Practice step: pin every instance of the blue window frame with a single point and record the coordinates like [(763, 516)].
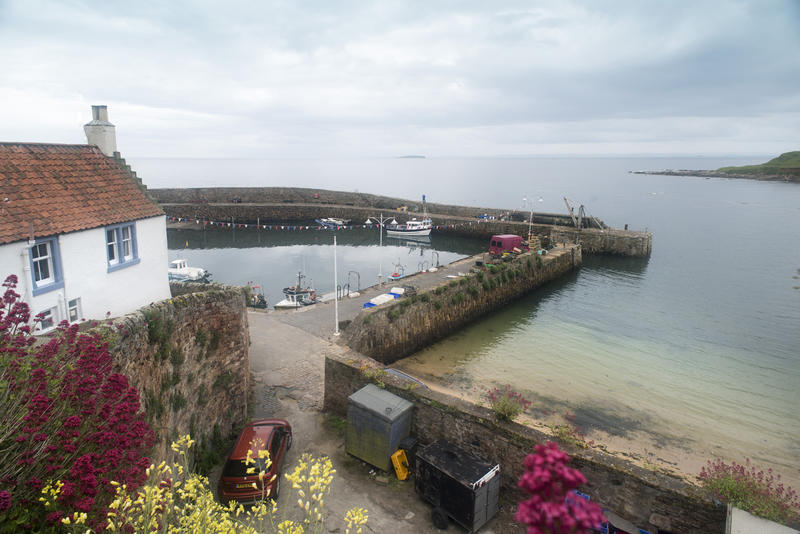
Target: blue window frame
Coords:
[(45, 262), (121, 248)]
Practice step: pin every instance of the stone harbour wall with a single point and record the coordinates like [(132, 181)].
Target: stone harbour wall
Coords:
[(651, 500), (325, 204), (400, 328), (608, 241), (287, 205), (189, 358)]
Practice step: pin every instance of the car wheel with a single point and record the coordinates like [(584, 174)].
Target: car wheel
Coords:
[(439, 518)]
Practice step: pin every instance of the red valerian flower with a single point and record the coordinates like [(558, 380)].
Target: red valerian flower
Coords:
[(549, 510), (79, 422)]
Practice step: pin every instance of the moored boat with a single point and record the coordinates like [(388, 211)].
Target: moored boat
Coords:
[(332, 222), (179, 271), (412, 227), (297, 296), (257, 298)]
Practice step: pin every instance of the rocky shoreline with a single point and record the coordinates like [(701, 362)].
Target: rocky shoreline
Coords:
[(719, 174)]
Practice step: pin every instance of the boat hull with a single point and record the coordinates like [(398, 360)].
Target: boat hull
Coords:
[(421, 232)]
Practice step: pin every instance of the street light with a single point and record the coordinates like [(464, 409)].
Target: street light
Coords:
[(530, 220), (381, 220)]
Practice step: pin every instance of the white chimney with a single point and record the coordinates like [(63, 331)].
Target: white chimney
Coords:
[(100, 132)]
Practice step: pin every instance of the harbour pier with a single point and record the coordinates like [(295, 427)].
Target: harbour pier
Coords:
[(283, 205)]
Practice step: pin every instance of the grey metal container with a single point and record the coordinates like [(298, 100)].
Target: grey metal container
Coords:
[(376, 423)]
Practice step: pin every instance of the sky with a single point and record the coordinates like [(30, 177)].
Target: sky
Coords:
[(321, 79)]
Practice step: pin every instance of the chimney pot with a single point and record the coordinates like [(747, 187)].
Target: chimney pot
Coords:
[(100, 132), (100, 113)]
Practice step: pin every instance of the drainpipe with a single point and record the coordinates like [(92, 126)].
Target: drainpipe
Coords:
[(62, 302), (26, 274)]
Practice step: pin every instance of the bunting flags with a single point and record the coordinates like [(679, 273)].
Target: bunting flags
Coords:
[(292, 228)]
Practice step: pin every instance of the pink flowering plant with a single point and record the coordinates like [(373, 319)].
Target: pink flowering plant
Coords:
[(751, 489), (67, 418), (507, 403), (548, 479)]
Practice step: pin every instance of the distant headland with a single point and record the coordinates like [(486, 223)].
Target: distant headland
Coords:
[(411, 156), (785, 168)]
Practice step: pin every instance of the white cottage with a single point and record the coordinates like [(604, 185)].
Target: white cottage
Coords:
[(79, 230)]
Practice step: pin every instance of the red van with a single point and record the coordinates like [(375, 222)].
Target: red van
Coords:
[(506, 243)]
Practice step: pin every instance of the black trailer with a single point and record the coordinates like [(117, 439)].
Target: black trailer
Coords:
[(457, 484)]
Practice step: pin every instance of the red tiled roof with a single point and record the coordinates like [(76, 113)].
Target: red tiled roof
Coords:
[(64, 188)]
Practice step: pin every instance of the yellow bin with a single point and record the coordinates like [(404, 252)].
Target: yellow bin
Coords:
[(400, 463)]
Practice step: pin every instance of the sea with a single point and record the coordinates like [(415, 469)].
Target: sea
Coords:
[(688, 355)]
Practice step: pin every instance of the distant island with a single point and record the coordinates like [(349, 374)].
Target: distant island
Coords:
[(785, 167), (411, 156)]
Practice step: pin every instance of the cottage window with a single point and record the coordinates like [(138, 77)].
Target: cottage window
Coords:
[(111, 244), (42, 263), (74, 309), (45, 266), (121, 249), (48, 319)]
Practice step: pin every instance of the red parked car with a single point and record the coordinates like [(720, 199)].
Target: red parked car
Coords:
[(274, 435)]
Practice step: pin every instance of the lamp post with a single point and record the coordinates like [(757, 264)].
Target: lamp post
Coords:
[(530, 220), (335, 292), (381, 220)]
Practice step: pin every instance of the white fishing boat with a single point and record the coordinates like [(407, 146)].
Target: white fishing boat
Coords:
[(179, 271), (332, 222), (297, 296), (412, 227)]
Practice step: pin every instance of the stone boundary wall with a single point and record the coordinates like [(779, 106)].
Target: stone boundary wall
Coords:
[(189, 358), (649, 499), (400, 328)]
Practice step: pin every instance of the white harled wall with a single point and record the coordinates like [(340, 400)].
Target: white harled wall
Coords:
[(85, 272)]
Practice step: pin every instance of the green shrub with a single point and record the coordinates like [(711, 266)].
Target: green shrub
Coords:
[(224, 380), (479, 276), (457, 299), (176, 357), (177, 401), (200, 337), (538, 262), (528, 264), (452, 283), (473, 291), (210, 450), (493, 269), (393, 314), (437, 305), (367, 319), (507, 403), (213, 341), (486, 285), (425, 297), (154, 408), (462, 281), (162, 354)]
